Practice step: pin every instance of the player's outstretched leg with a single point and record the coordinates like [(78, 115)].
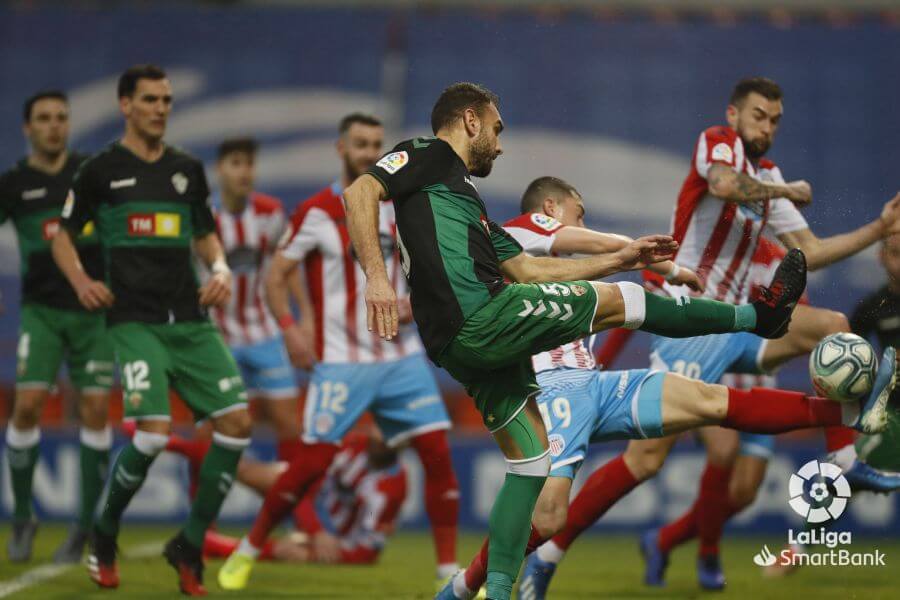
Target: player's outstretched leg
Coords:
[(629, 305)]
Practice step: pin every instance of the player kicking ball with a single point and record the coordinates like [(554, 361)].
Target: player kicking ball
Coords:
[(582, 405), (484, 331)]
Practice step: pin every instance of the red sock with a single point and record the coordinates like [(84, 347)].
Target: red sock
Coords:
[(216, 545), (286, 450), (712, 507), (476, 573), (441, 492), (195, 451), (606, 486), (838, 437), (680, 530), (289, 488), (765, 410)]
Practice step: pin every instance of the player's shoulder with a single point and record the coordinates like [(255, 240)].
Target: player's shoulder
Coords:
[(415, 149), (12, 173), (722, 133), (324, 200), (535, 222), (265, 204), (180, 155), (766, 164), (101, 159)]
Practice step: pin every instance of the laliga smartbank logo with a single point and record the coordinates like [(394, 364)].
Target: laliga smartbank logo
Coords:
[(819, 493)]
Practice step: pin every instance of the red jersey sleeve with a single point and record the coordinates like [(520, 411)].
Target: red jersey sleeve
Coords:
[(718, 145), (535, 232)]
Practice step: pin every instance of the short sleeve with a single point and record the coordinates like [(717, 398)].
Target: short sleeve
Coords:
[(784, 216), (718, 145), (504, 244), (201, 212), (410, 166), (300, 238), (535, 232), (81, 203)]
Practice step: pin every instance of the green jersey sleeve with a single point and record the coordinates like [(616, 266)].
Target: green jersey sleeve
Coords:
[(81, 203), (201, 214), (504, 244), (411, 166)]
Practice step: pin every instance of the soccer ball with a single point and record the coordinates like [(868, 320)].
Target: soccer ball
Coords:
[(842, 367)]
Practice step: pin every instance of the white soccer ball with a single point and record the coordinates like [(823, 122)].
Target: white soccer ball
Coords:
[(842, 367)]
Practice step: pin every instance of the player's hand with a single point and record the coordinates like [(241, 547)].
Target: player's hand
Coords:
[(93, 294), (799, 192), (217, 290), (299, 341), (381, 307), (404, 310), (288, 550), (647, 250), (890, 216), (689, 278), (326, 547)]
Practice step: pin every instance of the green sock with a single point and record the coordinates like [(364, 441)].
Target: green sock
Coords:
[(94, 468), (128, 475), (687, 317), (21, 470), (216, 477), (509, 529)]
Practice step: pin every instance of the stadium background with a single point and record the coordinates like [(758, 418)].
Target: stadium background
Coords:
[(609, 100)]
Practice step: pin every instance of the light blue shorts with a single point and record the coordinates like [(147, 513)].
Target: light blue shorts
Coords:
[(582, 406), (266, 369), (401, 394)]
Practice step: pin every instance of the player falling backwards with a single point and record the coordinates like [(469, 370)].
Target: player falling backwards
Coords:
[(249, 225), (484, 331), (150, 205), (582, 405), (54, 326), (731, 194), (356, 371)]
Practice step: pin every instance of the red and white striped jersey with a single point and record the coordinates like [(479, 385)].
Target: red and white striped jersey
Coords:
[(361, 504), (536, 232), (318, 236), (248, 238), (717, 239)]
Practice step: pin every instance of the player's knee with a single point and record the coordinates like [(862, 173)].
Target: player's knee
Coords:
[(27, 408), (835, 322), (645, 463), (94, 411), (610, 306), (235, 424), (712, 400), (550, 517), (150, 443), (742, 494)]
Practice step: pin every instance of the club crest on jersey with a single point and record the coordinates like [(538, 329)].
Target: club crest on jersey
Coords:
[(393, 162), (180, 182), (578, 290), (545, 222), (722, 152), (557, 444)]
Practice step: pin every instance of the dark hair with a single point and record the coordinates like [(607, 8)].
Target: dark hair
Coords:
[(541, 188), (41, 95), (763, 86), (457, 98), (361, 118), (129, 79), (247, 145)]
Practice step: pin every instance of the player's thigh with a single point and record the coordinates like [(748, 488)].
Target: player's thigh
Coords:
[(552, 505), (644, 458), (270, 370), (337, 396), (408, 402), (205, 373), (524, 436), (144, 362), (808, 326), (722, 444), (91, 359), (40, 348), (523, 320), (610, 311), (690, 403)]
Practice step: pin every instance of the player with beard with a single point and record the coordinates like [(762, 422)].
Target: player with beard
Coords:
[(484, 330), (731, 194), (353, 370), (53, 326)]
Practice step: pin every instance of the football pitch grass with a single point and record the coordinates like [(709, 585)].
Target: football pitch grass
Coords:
[(599, 566)]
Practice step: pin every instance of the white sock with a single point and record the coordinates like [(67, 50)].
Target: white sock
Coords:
[(459, 587), (550, 552), (445, 570), (247, 549), (635, 301), (22, 439), (97, 439), (844, 457)]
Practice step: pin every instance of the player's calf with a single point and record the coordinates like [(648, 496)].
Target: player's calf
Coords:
[(552, 507)]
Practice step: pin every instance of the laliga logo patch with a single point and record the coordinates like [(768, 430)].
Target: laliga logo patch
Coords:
[(545, 222), (557, 444), (819, 492), (393, 162), (723, 152), (180, 182)]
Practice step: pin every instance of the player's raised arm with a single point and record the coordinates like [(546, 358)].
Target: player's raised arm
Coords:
[(217, 289), (635, 255), (361, 200), (821, 252), (726, 184)]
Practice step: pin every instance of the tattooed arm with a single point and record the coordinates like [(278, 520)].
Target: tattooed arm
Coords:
[(727, 185)]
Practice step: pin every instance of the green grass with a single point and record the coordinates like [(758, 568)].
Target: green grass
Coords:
[(597, 567)]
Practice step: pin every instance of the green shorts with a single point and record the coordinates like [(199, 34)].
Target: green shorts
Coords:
[(48, 335), (189, 356), (881, 450), (491, 353)]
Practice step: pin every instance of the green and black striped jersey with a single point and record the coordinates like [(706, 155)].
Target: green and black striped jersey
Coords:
[(33, 199), (146, 215), (450, 251)]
